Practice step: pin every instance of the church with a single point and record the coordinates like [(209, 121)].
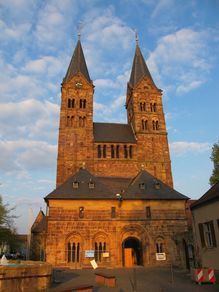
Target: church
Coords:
[(114, 200)]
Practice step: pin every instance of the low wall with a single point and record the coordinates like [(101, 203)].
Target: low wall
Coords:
[(25, 276)]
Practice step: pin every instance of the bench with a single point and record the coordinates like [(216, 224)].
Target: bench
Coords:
[(106, 278), (79, 288)]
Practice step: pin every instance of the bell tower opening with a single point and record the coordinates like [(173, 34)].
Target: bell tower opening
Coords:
[(132, 252)]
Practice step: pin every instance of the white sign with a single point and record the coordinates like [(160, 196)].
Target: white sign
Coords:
[(94, 264), (89, 253), (160, 256)]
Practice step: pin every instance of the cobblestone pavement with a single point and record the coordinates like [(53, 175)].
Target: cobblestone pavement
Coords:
[(139, 279)]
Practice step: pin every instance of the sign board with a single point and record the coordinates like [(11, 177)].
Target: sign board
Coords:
[(89, 253), (161, 256), (94, 264), (105, 254)]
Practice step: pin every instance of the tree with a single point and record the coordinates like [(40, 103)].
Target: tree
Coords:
[(215, 159), (7, 230)]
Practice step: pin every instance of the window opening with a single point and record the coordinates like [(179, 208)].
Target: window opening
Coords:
[(130, 151), (99, 151), (112, 151), (81, 212), (117, 151), (125, 151), (148, 212), (104, 151)]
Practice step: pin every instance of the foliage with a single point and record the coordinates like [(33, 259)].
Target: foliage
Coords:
[(215, 159), (7, 231)]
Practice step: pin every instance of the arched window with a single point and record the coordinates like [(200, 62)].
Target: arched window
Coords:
[(160, 245), (142, 124), (117, 151), (141, 108), (104, 151), (151, 106), (73, 251), (72, 121), (154, 125), (100, 246), (157, 125), (130, 151), (80, 103), (144, 106), (69, 103), (146, 125), (99, 151), (84, 104), (155, 107), (73, 103), (112, 151), (125, 151)]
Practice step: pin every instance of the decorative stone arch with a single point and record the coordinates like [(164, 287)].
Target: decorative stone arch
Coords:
[(100, 244), (135, 237), (73, 248)]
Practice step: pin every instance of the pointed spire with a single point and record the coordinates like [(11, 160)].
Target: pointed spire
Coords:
[(139, 67), (78, 63)]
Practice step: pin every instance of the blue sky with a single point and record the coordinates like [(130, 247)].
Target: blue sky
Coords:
[(180, 43)]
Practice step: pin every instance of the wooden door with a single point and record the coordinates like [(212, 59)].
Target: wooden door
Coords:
[(128, 256)]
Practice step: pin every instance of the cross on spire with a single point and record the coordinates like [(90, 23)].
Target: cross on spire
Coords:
[(136, 37)]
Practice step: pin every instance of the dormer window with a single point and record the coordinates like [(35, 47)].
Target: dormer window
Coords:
[(157, 185), (91, 184), (75, 184), (142, 186)]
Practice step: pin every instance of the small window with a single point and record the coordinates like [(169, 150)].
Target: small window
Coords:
[(104, 151), (75, 184), (69, 103), (154, 107), (209, 234), (113, 212), (130, 151), (125, 151), (157, 185), (148, 212), (159, 247), (99, 151), (142, 186), (73, 103), (81, 212), (91, 184), (117, 151), (112, 151)]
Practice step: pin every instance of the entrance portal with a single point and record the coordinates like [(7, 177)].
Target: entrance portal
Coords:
[(132, 252)]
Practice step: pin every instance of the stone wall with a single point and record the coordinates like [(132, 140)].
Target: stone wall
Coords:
[(167, 219)]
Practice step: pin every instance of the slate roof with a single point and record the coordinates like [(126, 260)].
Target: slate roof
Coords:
[(210, 196), (139, 68), (77, 64), (40, 226), (117, 133), (106, 188)]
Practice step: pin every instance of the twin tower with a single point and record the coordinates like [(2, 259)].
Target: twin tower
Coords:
[(110, 149)]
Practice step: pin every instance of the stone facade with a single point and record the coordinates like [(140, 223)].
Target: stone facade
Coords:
[(114, 200), (131, 223)]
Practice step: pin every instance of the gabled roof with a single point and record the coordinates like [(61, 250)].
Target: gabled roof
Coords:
[(139, 68), (106, 188), (83, 177), (146, 186), (40, 223), (117, 133), (210, 196), (77, 64)]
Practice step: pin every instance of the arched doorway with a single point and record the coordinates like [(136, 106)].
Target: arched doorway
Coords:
[(132, 252)]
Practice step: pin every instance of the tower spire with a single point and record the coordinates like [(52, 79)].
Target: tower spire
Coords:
[(139, 66), (78, 63)]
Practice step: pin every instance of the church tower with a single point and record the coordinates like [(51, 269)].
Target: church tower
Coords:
[(75, 144), (146, 117)]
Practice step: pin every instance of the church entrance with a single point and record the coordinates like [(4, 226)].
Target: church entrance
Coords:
[(132, 252)]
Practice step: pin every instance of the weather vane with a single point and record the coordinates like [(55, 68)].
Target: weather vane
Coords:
[(79, 29)]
